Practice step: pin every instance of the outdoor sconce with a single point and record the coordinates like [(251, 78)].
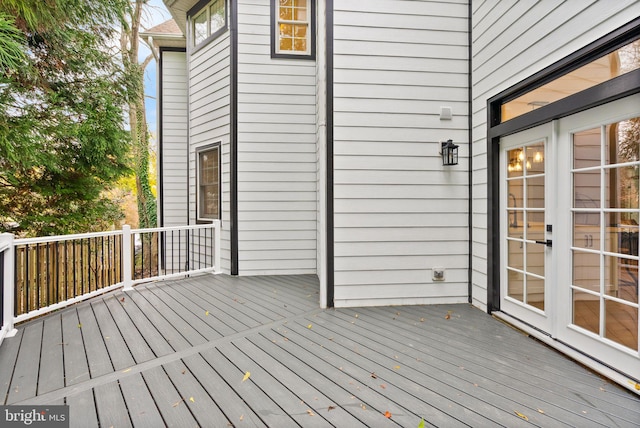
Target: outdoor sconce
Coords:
[(449, 152)]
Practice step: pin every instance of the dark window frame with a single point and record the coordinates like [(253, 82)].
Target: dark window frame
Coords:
[(312, 39), (195, 10), (198, 152), (611, 90)]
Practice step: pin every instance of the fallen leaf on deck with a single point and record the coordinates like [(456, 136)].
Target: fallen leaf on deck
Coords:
[(383, 386), (184, 371), (635, 385), (310, 412), (387, 414), (122, 300), (397, 367), (356, 315), (177, 403), (363, 407), (520, 415), (309, 326), (79, 325), (421, 424), (421, 319), (541, 411), (126, 370), (192, 400), (448, 316), (206, 313), (246, 376), (241, 417), (330, 408), (373, 375)]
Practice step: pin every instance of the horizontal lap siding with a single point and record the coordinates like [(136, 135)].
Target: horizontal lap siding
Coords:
[(174, 139), (277, 198), (398, 211), (209, 122), (512, 41)]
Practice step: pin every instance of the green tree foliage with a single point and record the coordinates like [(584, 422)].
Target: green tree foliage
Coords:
[(62, 97), (130, 49)]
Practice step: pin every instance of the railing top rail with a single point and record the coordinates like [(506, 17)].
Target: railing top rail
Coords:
[(4, 246), (169, 228), (57, 238)]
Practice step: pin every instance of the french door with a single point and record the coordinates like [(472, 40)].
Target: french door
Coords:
[(570, 213)]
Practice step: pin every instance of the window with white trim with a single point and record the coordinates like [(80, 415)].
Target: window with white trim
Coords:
[(293, 28), (208, 182), (208, 21)]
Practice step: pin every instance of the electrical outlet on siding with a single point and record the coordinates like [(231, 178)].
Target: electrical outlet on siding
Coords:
[(437, 274)]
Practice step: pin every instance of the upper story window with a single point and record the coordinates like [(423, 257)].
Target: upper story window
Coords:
[(293, 29), (208, 21)]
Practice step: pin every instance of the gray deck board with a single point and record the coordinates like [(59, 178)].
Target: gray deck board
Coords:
[(556, 397), (295, 381), (174, 411), (76, 369), (157, 359), (8, 357), (295, 406), (51, 375), (97, 354), (140, 405), (82, 410), (194, 396), (137, 345), (196, 304), (110, 406), (332, 380), (196, 316), (182, 326), (225, 397), (119, 353), (543, 367), (25, 376), (147, 329), (346, 354), (258, 400)]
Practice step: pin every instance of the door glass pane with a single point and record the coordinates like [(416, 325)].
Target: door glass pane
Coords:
[(515, 256), (535, 258), (586, 270), (586, 230), (621, 278), (586, 311), (535, 292), (515, 158), (516, 222), (516, 193), (535, 159), (535, 192), (586, 189), (586, 148), (622, 187), (515, 288), (621, 324), (535, 226)]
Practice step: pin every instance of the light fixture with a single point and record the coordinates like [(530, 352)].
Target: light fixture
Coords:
[(449, 152)]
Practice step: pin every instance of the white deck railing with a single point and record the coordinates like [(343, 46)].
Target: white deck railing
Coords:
[(40, 275)]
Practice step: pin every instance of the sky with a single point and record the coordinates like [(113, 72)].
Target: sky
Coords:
[(156, 13)]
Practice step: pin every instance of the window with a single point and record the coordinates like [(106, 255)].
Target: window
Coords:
[(208, 20), (293, 29), (208, 182)]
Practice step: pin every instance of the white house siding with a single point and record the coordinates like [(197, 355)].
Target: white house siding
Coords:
[(511, 41), (276, 152), (209, 121), (398, 211), (174, 139)]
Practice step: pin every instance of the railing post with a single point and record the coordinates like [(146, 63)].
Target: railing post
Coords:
[(127, 280), (216, 246), (6, 239)]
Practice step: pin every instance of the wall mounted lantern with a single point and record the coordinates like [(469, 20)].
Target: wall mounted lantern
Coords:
[(449, 152)]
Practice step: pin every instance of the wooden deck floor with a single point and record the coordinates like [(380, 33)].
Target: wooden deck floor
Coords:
[(176, 354)]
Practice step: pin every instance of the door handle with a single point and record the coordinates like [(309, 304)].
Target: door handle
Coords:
[(548, 242)]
